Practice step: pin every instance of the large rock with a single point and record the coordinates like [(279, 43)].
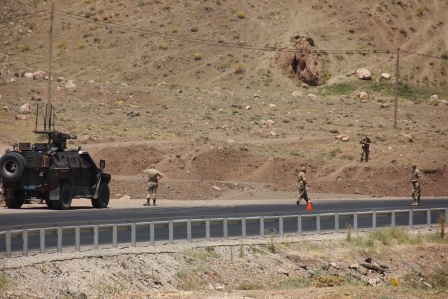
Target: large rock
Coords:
[(25, 109), (301, 61), (363, 74)]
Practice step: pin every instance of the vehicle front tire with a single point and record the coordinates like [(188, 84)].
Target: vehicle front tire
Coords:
[(103, 197), (65, 198), (16, 201)]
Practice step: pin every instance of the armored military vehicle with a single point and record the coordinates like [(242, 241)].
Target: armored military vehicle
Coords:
[(50, 172)]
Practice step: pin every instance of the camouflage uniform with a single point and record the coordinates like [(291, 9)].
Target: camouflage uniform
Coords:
[(153, 178), (365, 144), (415, 185), (302, 183)]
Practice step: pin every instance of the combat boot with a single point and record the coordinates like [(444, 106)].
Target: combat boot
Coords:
[(154, 202), (414, 203), (147, 202)]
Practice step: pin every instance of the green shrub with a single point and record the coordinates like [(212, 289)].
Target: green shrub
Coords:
[(241, 14), (197, 56), (163, 46), (239, 68)]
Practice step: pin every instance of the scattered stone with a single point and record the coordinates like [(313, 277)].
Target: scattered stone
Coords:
[(270, 122), (133, 113), (230, 141), (70, 84), (408, 138), (297, 94), (126, 197), (237, 106), (342, 137), (384, 106), (272, 106), (36, 99), (247, 107), (434, 98), (21, 117), (363, 95), (39, 75), (216, 188), (386, 76)]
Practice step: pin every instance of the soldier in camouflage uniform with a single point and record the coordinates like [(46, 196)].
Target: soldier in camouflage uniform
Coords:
[(415, 185), (153, 183), (302, 182), (365, 144)]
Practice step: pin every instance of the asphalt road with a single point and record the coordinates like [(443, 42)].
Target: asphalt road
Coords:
[(28, 218), (38, 216)]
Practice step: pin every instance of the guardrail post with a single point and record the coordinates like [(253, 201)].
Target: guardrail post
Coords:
[(299, 225), (152, 237), (189, 235), (171, 231), (59, 233), (262, 226), (8, 243), (392, 217), (77, 238), (318, 224), (114, 235), (374, 220), (355, 221), (428, 217), (25, 242), (95, 236), (133, 235), (42, 240), (411, 219), (336, 222), (225, 229), (207, 229), (243, 227), (280, 226)]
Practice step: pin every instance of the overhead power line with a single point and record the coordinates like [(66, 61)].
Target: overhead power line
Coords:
[(216, 43)]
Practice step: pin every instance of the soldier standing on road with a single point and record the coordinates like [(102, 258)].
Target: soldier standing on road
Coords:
[(415, 185), (365, 144), (302, 182), (153, 183)]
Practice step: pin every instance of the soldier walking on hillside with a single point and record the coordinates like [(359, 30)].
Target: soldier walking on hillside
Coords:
[(415, 185), (153, 183), (365, 144), (302, 183)]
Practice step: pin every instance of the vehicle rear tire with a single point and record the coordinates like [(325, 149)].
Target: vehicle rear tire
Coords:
[(49, 203), (65, 198), (12, 166), (103, 197), (16, 201)]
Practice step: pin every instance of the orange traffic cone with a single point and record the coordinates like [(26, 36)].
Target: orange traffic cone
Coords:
[(309, 206)]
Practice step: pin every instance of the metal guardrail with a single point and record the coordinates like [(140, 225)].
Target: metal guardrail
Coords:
[(7, 236)]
